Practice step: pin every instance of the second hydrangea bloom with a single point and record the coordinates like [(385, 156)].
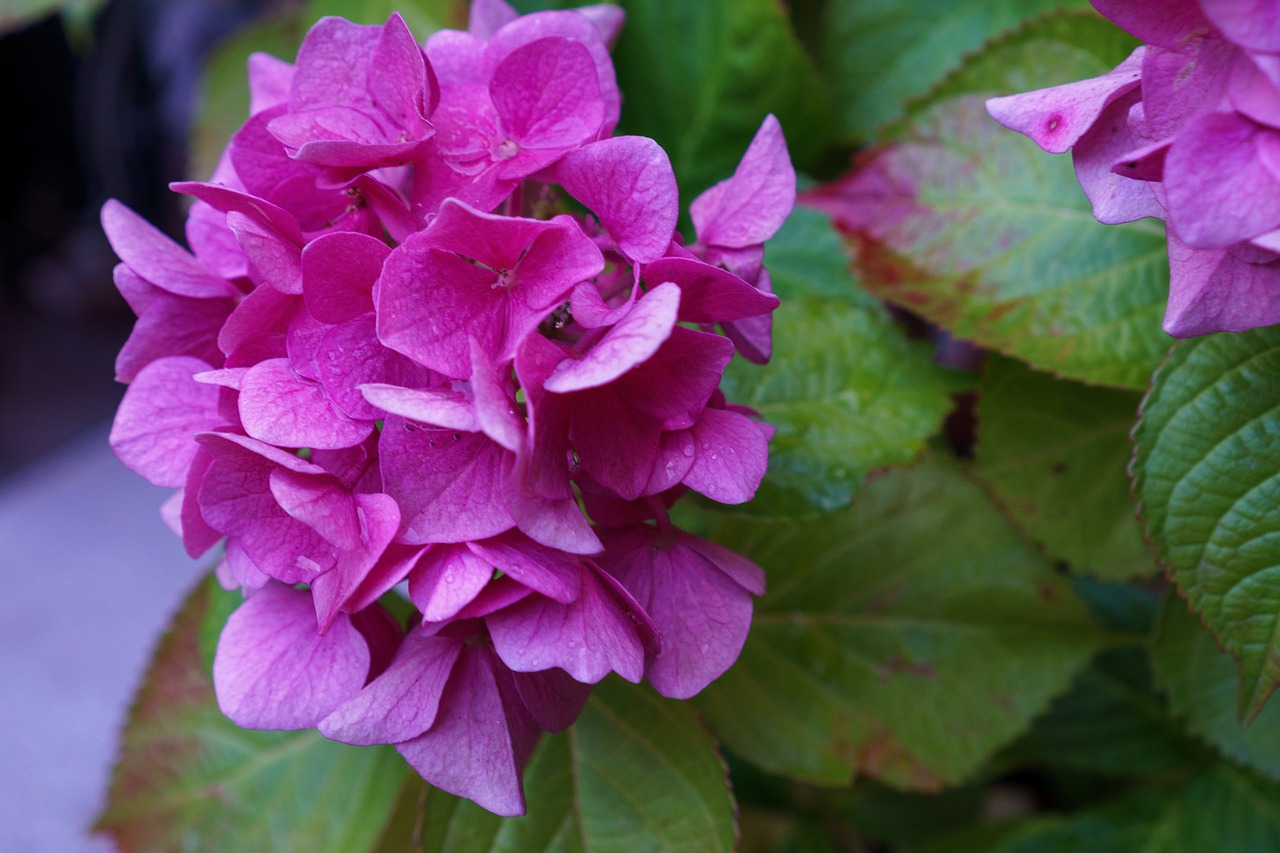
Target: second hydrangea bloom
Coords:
[(397, 356), (1187, 129)]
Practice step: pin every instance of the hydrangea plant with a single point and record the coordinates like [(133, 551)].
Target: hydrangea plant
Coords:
[(493, 441)]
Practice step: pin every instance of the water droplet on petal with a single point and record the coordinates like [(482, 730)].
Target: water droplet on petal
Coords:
[(449, 578), (688, 450)]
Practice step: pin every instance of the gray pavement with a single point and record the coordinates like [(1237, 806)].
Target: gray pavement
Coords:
[(90, 575)]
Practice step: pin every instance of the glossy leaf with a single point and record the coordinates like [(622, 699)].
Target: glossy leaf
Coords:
[(979, 231), (700, 77), (635, 772), (1207, 472), (848, 394), (807, 258), (1053, 454), (1204, 689), (190, 779), (892, 626)]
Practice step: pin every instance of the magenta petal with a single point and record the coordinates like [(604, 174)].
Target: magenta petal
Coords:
[(448, 484), (481, 739), (1168, 23), (627, 182), (709, 294), (1252, 24), (1218, 186), (156, 258), (488, 16), (547, 94), (269, 81), (172, 325), (1178, 85), (338, 274), (446, 579), (346, 586), (154, 430), (197, 536), (272, 670), (441, 407), (401, 86), (553, 697), (263, 214), (554, 522), (544, 570), (589, 638), (748, 208), (1211, 290), (1253, 93), (279, 407), (272, 260), (1057, 117), (744, 573), (495, 404), (635, 339), (402, 702), (732, 452), (320, 503)]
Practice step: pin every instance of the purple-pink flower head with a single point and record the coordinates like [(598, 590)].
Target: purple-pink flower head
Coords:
[(1187, 130), (398, 361)]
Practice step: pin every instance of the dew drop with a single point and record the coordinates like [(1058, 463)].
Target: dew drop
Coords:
[(449, 578), (688, 450)]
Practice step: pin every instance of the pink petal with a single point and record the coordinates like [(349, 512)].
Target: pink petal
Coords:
[(1252, 24), (272, 670), (1218, 186), (544, 570), (481, 739), (319, 503), (272, 260), (269, 81), (731, 456), (338, 273), (1178, 86), (1057, 117), (441, 407), (589, 638), (156, 258), (553, 697), (448, 484), (1169, 23), (1253, 92), (154, 430), (446, 579), (547, 94), (627, 182), (279, 407), (402, 702), (173, 326), (1118, 194), (709, 294), (1211, 290), (751, 206), (488, 16), (345, 587), (632, 341)]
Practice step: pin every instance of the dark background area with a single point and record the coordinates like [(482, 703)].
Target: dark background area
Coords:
[(92, 112)]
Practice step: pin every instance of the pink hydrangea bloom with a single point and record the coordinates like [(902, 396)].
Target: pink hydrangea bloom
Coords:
[(1187, 130), (397, 362)]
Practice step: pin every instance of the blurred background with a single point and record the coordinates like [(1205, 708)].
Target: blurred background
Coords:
[(98, 99)]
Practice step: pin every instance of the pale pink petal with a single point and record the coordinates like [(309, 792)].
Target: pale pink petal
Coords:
[(1057, 117), (441, 407), (1117, 191), (320, 503), (158, 259), (269, 81), (488, 16), (272, 670), (279, 407), (632, 341), (172, 325), (272, 260), (1211, 290)]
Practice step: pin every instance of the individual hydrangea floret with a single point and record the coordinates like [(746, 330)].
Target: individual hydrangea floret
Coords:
[(1187, 130), (437, 338)]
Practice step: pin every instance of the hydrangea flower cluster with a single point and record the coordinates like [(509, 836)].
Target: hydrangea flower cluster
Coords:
[(398, 356), (1187, 129)]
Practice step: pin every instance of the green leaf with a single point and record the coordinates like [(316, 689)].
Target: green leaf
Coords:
[(1053, 453), (807, 258), (700, 77), (1207, 473), (878, 54), (636, 772), (1203, 688), (1224, 808), (975, 228), (1111, 723), (906, 638), (190, 779), (424, 17), (848, 394)]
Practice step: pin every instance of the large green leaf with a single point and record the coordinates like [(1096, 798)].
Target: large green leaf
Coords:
[(807, 258), (1053, 453), (700, 77), (636, 772), (1225, 808), (978, 230), (877, 54), (189, 779), (1111, 723), (1204, 689), (848, 394), (907, 637), (1207, 473)]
